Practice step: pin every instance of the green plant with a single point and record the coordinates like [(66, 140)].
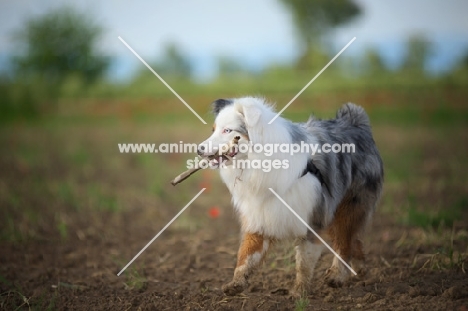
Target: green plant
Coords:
[(102, 200), (134, 280), (302, 304), (59, 43), (62, 229), (431, 219)]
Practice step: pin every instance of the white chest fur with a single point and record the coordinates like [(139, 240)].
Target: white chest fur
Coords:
[(261, 212)]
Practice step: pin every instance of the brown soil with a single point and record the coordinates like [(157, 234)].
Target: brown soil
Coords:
[(64, 239), (184, 271)]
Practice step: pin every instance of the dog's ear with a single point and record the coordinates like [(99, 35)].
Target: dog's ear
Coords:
[(219, 105), (251, 114)]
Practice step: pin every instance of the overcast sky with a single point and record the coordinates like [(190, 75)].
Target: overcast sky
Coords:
[(256, 32)]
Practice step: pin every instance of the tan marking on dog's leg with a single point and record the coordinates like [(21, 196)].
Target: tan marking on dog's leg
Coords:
[(307, 255), (252, 243), (251, 253), (357, 257), (349, 220), (357, 250), (338, 273)]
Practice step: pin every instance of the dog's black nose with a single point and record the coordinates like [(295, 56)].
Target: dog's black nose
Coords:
[(200, 150)]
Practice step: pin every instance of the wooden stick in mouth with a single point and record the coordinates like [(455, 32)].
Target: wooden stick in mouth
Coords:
[(183, 176)]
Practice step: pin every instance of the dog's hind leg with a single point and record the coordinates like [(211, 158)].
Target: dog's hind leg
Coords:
[(308, 251), (349, 220), (357, 257), (252, 251)]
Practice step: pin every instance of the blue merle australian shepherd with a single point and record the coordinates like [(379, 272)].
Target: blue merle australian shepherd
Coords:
[(333, 192)]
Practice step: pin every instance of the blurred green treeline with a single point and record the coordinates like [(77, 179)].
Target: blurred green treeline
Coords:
[(59, 60)]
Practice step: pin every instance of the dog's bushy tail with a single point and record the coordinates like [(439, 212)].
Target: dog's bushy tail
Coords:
[(354, 114)]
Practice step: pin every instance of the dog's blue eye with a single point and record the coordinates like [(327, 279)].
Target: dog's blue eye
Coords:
[(227, 131)]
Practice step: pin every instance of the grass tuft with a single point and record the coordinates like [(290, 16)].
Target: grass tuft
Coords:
[(302, 304)]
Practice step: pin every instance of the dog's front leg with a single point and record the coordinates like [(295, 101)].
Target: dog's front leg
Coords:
[(307, 255), (251, 253)]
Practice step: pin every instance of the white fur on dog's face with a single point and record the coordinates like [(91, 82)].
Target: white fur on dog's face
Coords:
[(229, 123)]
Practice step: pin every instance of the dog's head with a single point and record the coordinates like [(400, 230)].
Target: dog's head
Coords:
[(234, 118)]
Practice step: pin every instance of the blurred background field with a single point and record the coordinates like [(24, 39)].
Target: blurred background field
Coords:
[(63, 182)]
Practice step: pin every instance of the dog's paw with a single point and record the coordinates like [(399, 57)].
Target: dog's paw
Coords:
[(359, 267), (233, 288), (335, 283), (299, 290), (335, 278)]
